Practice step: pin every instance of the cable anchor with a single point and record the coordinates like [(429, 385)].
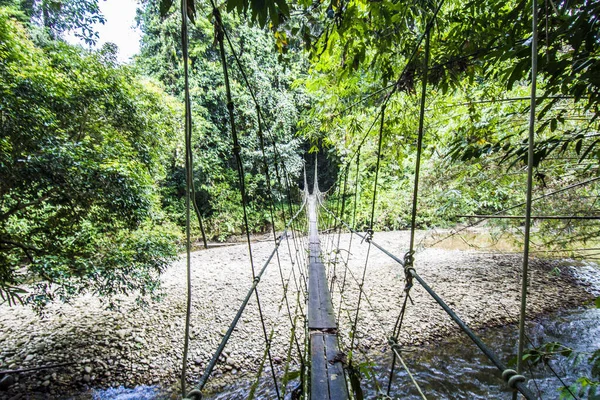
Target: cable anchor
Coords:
[(409, 260), (368, 236), (512, 378), (194, 395)]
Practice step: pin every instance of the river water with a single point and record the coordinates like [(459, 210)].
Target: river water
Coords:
[(456, 368)]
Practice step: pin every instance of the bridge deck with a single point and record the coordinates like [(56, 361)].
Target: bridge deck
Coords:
[(327, 377)]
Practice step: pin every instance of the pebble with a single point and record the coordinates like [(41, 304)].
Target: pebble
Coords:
[(132, 346)]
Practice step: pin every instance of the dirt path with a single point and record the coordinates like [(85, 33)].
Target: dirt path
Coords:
[(135, 346)]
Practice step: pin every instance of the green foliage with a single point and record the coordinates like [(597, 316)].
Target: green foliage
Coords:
[(582, 387), (58, 17), (215, 172), (83, 143)]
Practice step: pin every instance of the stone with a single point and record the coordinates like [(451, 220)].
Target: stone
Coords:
[(88, 370), (6, 382), (46, 384), (87, 378)]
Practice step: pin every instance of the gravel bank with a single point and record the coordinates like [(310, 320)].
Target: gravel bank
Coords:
[(133, 346)]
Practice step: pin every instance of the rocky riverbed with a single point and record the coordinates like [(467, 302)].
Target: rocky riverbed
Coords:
[(133, 346)]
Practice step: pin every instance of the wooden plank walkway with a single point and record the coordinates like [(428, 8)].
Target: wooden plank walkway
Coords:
[(327, 379)]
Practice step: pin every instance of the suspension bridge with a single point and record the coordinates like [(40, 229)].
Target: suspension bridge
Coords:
[(328, 371)]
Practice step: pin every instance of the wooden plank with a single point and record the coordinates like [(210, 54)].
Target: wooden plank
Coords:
[(335, 369), (319, 386), (327, 378), (320, 309)]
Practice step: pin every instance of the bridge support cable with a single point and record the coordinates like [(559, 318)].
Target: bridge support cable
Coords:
[(196, 393), (339, 227), (278, 158), (409, 257), (519, 385), (528, 201), (369, 234)]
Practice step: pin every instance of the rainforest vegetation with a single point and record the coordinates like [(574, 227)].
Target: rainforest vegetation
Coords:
[(92, 160)]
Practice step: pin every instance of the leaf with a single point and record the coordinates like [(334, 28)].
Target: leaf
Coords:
[(578, 146), (165, 7), (291, 375), (597, 302)]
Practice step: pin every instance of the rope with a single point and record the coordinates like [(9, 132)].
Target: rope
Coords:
[(265, 165), (353, 224), (524, 282), (283, 301), (340, 228), (353, 331), (394, 86), (383, 330), (236, 150), (188, 184), (483, 218), (234, 322), (408, 258), (410, 375)]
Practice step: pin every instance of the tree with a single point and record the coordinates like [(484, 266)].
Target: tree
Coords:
[(81, 148), (271, 78)]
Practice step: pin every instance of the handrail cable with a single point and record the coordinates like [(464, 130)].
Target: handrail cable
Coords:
[(520, 386), (196, 393)]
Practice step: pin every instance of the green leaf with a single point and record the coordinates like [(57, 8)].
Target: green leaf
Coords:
[(291, 375), (597, 302)]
